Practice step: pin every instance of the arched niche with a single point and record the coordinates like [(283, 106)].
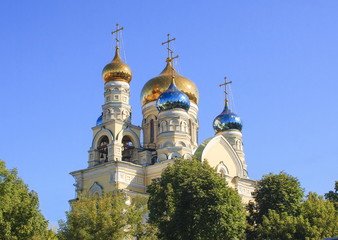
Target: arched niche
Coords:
[(218, 150), (174, 155), (162, 157), (163, 126), (96, 189), (174, 125), (222, 170), (152, 130), (181, 144)]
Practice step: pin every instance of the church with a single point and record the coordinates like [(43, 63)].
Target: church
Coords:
[(119, 158)]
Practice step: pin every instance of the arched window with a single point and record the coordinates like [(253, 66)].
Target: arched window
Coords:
[(184, 126), (163, 127), (174, 125), (128, 148), (222, 173), (190, 127), (103, 148), (152, 131), (125, 114)]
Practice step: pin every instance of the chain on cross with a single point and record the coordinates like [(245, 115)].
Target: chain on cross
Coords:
[(170, 52), (225, 89), (117, 34)]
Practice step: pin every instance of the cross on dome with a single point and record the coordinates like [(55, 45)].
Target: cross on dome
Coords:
[(225, 90), (170, 52), (117, 34)]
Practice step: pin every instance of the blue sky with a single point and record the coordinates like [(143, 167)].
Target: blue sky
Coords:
[(282, 57)]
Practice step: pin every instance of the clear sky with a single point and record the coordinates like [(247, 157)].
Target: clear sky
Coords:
[(282, 57)]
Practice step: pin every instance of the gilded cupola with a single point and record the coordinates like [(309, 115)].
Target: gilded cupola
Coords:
[(117, 70), (159, 84)]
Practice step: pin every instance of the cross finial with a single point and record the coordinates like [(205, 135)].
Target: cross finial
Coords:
[(170, 52), (117, 34), (225, 90)]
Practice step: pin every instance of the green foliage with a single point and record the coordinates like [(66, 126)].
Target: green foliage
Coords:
[(333, 195), (20, 217), (105, 217), (280, 214), (317, 219), (191, 201), (279, 192)]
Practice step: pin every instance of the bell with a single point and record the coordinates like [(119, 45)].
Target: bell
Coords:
[(101, 156)]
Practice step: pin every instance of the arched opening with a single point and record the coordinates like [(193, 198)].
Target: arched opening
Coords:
[(128, 148), (117, 113), (152, 131), (174, 155), (103, 149), (163, 127), (222, 173)]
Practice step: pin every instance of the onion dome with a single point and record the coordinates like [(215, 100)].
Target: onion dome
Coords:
[(117, 70), (227, 120), (157, 85), (172, 98), (99, 120)]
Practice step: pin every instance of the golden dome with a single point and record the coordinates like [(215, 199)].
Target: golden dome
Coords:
[(157, 85), (116, 70)]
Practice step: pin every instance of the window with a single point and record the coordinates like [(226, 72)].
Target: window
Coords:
[(103, 149), (152, 130), (116, 97), (128, 148), (222, 173)]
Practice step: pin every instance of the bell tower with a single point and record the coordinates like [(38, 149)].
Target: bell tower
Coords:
[(114, 137)]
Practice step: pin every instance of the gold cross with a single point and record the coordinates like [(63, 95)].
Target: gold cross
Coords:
[(117, 34), (170, 52), (225, 89)]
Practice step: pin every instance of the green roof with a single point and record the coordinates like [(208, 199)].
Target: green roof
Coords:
[(199, 150)]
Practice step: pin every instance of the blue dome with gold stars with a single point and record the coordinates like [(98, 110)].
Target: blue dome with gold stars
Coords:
[(172, 98), (227, 120)]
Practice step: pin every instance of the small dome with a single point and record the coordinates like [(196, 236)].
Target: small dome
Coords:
[(172, 98), (157, 85), (117, 70), (227, 120), (99, 120)]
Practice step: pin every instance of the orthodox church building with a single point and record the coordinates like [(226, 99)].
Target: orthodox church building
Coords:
[(118, 160)]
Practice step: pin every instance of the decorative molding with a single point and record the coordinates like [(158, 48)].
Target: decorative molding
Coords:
[(96, 188)]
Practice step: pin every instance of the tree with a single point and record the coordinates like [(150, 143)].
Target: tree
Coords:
[(191, 201), (317, 219), (275, 193), (333, 195), (20, 217), (106, 217), (279, 192)]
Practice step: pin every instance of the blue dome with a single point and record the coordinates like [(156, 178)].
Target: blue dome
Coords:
[(99, 120), (227, 120), (172, 98)]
